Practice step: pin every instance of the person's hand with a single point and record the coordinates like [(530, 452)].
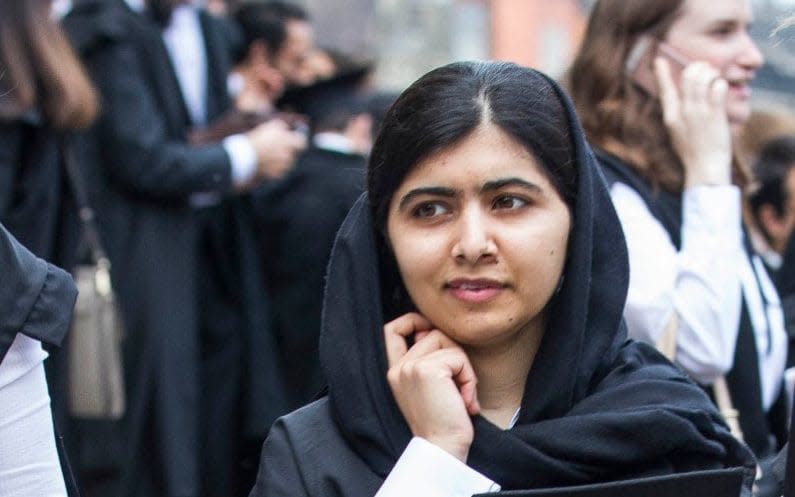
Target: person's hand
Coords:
[(276, 146), (433, 383), (695, 115)]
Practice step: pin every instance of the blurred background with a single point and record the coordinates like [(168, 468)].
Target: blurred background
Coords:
[(409, 37)]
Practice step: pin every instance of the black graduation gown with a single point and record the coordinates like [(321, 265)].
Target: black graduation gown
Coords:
[(300, 217), (36, 203), (596, 406), (743, 380), (140, 181)]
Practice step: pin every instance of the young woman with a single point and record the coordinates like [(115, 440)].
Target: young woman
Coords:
[(667, 151), (472, 335)]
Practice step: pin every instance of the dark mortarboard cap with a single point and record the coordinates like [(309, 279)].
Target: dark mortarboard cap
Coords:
[(712, 483), (329, 103)]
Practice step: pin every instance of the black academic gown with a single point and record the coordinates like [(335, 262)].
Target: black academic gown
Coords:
[(36, 203), (596, 406), (140, 182), (300, 217)]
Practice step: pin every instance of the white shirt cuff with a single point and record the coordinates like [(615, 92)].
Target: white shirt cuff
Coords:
[(428, 470), (242, 156)]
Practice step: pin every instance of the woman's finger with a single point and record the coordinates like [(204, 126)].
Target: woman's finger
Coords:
[(396, 331), (718, 92), (432, 341), (669, 94), (697, 82), (461, 372)]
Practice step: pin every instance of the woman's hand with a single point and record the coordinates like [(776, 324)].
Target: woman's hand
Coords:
[(433, 383), (695, 115)]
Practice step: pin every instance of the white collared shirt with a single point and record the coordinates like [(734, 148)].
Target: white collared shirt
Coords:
[(703, 282), (184, 40), (185, 43)]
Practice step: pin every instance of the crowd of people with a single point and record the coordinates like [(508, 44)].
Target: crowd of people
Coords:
[(493, 281)]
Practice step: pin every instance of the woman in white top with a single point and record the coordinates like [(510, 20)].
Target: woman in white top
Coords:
[(662, 111)]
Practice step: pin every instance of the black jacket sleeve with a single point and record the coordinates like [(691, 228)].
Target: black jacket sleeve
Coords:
[(36, 298), (140, 151), (278, 474)]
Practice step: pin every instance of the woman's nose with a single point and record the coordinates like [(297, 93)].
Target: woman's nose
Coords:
[(474, 240), (750, 56)]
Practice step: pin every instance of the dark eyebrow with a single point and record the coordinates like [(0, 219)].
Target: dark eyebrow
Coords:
[(438, 191), (490, 186)]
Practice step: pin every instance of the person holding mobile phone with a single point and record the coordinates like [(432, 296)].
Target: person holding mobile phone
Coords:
[(695, 281), (472, 332)]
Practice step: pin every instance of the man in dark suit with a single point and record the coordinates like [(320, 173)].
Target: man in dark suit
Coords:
[(168, 215), (300, 216)]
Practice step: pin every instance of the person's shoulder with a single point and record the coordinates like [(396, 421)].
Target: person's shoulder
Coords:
[(314, 421), (93, 24), (313, 440)]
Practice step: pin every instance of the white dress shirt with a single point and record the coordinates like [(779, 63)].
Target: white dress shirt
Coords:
[(184, 41), (29, 463), (429, 471), (703, 283)]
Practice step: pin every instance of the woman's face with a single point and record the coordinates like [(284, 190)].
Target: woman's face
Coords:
[(716, 31), (480, 235)]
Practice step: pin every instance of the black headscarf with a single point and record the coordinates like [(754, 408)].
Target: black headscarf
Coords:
[(596, 406)]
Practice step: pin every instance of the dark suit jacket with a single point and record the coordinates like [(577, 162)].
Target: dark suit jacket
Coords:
[(299, 220)]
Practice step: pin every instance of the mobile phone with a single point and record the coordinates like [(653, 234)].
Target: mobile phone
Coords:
[(639, 65)]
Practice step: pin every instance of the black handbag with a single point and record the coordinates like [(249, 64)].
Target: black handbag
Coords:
[(95, 372)]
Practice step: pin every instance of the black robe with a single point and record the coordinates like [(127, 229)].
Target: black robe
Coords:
[(597, 407), (140, 183), (36, 203), (300, 217)]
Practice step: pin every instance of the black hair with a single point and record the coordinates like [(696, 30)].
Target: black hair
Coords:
[(770, 170), (444, 107), (267, 22), (447, 104)]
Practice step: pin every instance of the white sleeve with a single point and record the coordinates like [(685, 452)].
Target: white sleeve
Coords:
[(29, 463), (242, 156), (701, 281), (429, 471)]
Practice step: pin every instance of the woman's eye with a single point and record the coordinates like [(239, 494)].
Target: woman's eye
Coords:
[(508, 202), (723, 30), (429, 210)]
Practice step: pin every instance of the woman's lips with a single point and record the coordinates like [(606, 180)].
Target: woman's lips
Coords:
[(474, 290), (738, 89)]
